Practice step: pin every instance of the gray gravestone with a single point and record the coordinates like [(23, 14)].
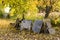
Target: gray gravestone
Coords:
[(49, 27), (51, 31), (26, 24), (37, 25)]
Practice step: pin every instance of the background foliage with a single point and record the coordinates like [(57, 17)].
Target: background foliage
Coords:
[(30, 8)]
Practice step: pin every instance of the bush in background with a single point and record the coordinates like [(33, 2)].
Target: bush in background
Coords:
[(1, 14)]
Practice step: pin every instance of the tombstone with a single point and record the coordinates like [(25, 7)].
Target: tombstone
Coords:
[(26, 24), (37, 25), (48, 26), (50, 29)]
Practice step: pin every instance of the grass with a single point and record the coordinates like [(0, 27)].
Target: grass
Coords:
[(8, 32)]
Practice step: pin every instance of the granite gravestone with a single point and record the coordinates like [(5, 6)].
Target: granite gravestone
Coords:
[(26, 24), (48, 27), (37, 25)]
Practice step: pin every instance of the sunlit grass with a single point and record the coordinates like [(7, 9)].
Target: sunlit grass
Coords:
[(4, 23)]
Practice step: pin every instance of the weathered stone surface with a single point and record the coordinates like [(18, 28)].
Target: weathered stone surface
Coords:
[(48, 26), (37, 26), (26, 24)]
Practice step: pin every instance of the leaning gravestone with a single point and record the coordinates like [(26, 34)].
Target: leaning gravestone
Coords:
[(26, 24), (37, 25), (48, 26)]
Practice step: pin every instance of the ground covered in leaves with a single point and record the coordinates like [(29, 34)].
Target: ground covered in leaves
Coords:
[(8, 32)]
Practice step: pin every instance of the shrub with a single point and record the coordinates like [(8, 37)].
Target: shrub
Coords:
[(1, 14), (55, 18)]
